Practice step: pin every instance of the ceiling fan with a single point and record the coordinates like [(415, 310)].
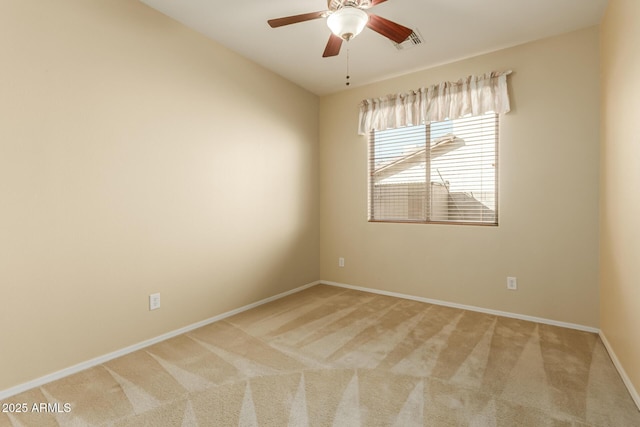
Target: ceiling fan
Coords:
[(346, 19)]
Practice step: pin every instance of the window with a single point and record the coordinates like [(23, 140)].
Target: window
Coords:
[(443, 172)]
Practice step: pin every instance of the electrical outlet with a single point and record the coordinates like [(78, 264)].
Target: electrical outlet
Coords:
[(340, 262), (512, 283), (154, 301)]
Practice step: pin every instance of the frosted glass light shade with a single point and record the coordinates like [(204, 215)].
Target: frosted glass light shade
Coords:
[(347, 22)]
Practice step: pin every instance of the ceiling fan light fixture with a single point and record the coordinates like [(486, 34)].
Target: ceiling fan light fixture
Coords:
[(347, 22)]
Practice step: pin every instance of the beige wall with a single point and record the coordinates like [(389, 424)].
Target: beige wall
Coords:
[(620, 195), (136, 156), (548, 232)]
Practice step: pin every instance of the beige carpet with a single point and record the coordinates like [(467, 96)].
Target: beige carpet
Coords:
[(329, 356)]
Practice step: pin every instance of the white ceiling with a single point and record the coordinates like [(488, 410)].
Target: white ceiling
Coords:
[(451, 29)]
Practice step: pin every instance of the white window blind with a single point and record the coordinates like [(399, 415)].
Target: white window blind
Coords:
[(443, 172)]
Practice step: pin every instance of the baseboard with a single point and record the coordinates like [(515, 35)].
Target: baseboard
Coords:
[(4, 394), (467, 307), (623, 374)]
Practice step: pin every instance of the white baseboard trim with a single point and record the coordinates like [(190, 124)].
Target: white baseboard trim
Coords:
[(4, 394), (467, 307), (623, 374)]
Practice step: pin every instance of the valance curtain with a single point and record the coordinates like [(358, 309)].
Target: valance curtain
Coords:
[(473, 95)]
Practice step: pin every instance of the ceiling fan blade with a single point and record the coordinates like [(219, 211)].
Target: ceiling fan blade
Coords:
[(375, 2), (333, 46), (389, 29), (287, 20)]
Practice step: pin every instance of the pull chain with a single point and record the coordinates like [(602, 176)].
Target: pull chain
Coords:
[(347, 83)]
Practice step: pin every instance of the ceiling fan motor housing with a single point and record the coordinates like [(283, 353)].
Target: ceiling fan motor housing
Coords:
[(334, 5)]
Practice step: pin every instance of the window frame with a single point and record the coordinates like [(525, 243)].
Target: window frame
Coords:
[(428, 183)]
